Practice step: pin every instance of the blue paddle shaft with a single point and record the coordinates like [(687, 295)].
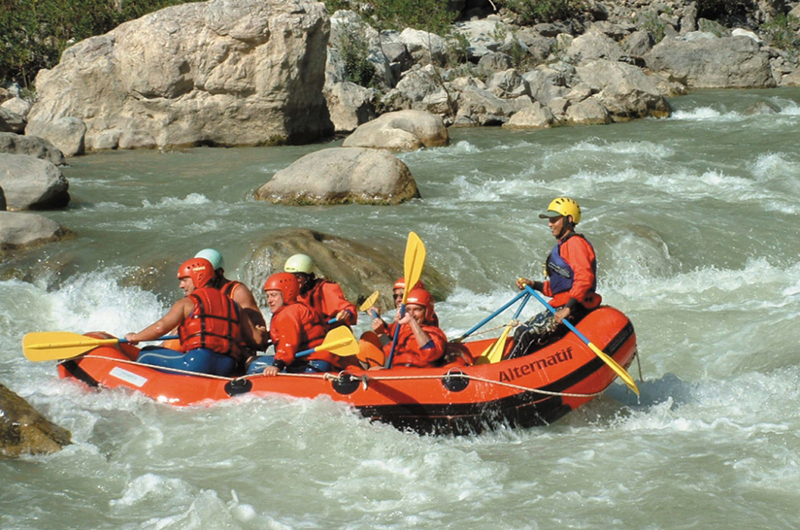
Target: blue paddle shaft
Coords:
[(396, 335), (477, 326), (165, 337), (552, 310)]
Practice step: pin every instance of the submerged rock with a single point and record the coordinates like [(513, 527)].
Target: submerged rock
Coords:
[(23, 430), (360, 268), (340, 176)]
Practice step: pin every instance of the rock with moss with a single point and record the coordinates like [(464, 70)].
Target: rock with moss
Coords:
[(24, 431), (341, 176), (360, 267), (405, 130)]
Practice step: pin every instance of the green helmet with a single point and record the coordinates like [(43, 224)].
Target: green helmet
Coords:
[(563, 206), (213, 256), (299, 263)]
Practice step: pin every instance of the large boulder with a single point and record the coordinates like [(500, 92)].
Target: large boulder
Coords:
[(10, 121), (727, 62), (224, 72), (405, 130), (21, 230), (359, 267), (17, 144), (624, 90), (23, 430), (340, 176), (533, 117), (32, 184)]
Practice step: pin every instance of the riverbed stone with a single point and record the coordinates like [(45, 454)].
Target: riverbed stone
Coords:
[(67, 133), (728, 62), (350, 105), (588, 112), (18, 144), (405, 130), (534, 116), (340, 176), (32, 184), (360, 267), (10, 121), (223, 72), (24, 431), (20, 230), (624, 90)]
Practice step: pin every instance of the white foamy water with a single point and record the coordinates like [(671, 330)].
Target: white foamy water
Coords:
[(694, 220)]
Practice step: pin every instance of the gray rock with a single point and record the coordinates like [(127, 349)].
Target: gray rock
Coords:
[(481, 35), (3, 206), (68, 134), (223, 72), (10, 121), (508, 84), (533, 117), (24, 431), (588, 112), (21, 230), (405, 130), (358, 267), (31, 183), (624, 90), (552, 29), (478, 106), (425, 48), (593, 45), (549, 82), (729, 62), (495, 62), (420, 88), (350, 105), (689, 19), (340, 176), (17, 144), (637, 44)]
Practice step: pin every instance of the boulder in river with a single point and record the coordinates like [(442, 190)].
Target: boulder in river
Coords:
[(20, 230), (359, 268), (23, 430), (340, 176), (705, 61), (32, 184), (404, 130), (223, 72), (17, 144)]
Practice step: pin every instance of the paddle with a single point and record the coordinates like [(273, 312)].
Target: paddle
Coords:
[(339, 341), (477, 326), (368, 303), (624, 375), (494, 353), (365, 307), (58, 345), (412, 270)]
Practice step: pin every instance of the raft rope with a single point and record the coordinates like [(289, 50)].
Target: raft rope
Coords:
[(328, 376)]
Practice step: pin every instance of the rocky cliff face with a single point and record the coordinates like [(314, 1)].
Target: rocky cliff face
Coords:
[(224, 72)]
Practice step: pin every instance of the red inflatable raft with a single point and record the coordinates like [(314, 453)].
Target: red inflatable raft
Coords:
[(532, 390)]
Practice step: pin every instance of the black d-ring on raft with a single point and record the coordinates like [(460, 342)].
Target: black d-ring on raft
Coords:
[(235, 387), (455, 381), (346, 384)]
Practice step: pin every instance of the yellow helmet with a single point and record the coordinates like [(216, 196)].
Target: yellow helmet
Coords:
[(563, 206)]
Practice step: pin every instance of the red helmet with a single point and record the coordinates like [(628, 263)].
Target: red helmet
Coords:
[(200, 270), (286, 283), (422, 297), (401, 284)]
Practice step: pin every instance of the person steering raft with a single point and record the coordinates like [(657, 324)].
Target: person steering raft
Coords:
[(571, 269), (210, 325)]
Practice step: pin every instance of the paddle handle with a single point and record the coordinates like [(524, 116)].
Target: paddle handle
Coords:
[(165, 337), (477, 326), (396, 336)]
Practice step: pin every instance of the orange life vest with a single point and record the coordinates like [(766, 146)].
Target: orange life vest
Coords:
[(212, 324)]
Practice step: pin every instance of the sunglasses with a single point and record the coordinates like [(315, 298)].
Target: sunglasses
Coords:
[(397, 296)]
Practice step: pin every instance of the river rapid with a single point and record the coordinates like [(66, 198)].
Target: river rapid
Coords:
[(695, 222)]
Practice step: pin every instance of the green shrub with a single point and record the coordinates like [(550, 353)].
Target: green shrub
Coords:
[(33, 33), (782, 33), (428, 15), (650, 22), (535, 11), (354, 47)]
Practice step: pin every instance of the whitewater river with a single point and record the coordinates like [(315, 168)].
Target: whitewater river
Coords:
[(695, 223)]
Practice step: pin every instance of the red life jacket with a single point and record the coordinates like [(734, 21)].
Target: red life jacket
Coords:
[(212, 324)]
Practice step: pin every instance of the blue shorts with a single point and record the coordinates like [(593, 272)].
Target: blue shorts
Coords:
[(201, 360), (298, 367)]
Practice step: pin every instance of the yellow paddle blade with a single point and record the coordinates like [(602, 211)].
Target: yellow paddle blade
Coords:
[(414, 261), (369, 302), (621, 372), (494, 353), (57, 345), (339, 341)]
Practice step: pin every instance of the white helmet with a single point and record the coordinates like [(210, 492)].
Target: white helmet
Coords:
[(299, 263), (213, 256)]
